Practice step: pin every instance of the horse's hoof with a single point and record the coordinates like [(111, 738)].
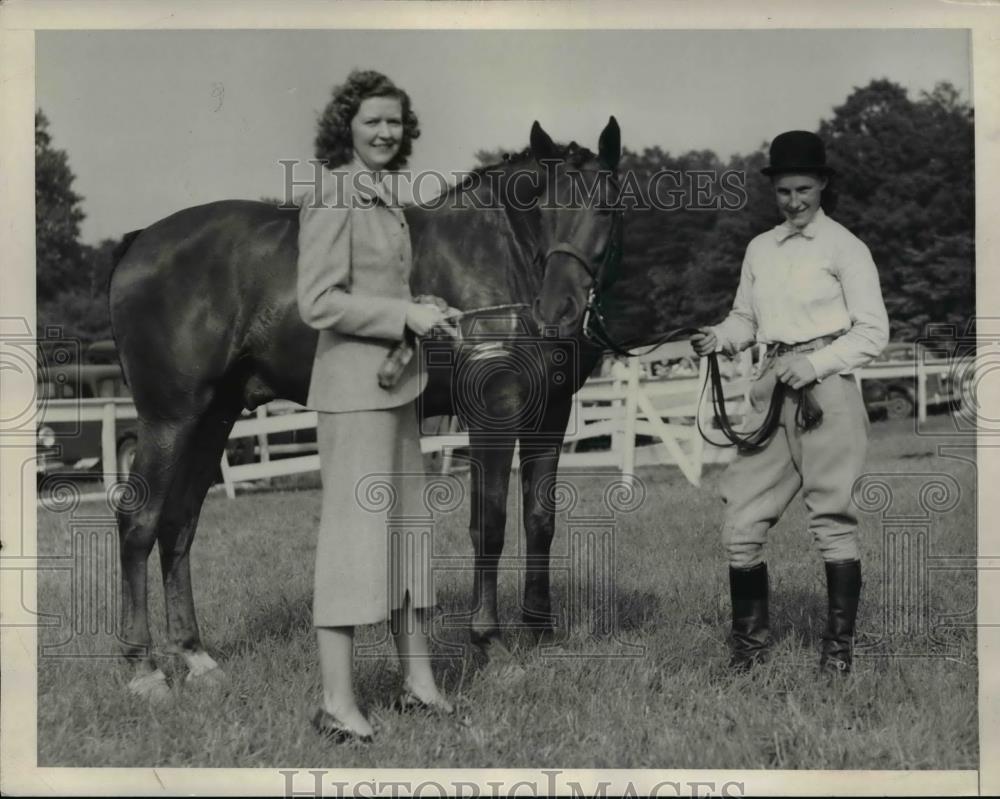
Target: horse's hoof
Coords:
[(553, 650), (544, 637), (505, 674), (211, 678), (153, 687), (539, 623), (492, 647)]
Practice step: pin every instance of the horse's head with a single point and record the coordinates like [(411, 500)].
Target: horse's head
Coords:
[(582, 226)]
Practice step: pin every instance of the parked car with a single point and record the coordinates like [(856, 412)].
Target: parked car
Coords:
[(896, 397), (76, 443)]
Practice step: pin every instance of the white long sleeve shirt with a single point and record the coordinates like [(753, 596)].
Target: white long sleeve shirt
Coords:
[(797, 285)]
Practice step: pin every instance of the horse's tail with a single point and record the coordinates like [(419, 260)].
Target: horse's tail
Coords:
[(116, 256), (122, 247)]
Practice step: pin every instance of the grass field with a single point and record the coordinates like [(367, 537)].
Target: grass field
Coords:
[(638, 679)]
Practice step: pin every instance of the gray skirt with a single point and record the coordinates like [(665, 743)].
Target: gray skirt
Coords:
[(375, 530)]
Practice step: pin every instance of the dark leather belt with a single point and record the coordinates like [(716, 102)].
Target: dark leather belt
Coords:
[(781, 348)]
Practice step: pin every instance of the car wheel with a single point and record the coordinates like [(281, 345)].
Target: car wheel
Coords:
[(125, 457), (898, 406), (240, 450)]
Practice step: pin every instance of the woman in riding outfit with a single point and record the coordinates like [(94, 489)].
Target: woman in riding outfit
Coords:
[(810, 290), (353, 286)]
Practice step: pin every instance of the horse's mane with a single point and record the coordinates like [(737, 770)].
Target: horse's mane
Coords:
[(573, 154)]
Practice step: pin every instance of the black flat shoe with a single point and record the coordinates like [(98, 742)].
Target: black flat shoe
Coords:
[(409, 702), (334, 730)]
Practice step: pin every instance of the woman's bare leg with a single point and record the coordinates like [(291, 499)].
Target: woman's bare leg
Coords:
[(336, 661)]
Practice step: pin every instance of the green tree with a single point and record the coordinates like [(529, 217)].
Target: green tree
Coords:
[(665, 232), (97, 264), (906, 185), (82, 317), (57, 219)]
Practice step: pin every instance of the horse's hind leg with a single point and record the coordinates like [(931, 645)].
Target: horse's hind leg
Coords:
[(139, 517), (197, 466)]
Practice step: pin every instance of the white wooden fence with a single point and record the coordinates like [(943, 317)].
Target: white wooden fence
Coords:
[(622, 406), (107, 411)]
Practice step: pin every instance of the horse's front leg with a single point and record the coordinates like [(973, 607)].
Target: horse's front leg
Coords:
[(539, 453), (490, 458)]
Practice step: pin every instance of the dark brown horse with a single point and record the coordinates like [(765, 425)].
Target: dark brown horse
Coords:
[(203, 307)]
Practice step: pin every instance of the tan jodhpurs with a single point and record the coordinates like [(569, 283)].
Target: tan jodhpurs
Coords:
[(824, 462)]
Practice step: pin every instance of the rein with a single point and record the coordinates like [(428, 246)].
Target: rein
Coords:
[(808, 414), (595, 329), (746, 442)]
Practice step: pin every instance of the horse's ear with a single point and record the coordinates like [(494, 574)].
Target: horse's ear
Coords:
[(610, 145), (542, 146)]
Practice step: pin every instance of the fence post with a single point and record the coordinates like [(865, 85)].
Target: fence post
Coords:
[(618, 413), (631, 405), (227, 478), (109, 451), (265, 449), (921, 387)]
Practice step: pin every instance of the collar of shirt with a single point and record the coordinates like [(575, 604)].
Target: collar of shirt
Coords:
[(785, 230), (371, 185)]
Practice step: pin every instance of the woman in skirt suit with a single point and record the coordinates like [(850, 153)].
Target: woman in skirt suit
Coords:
[(353, 286)]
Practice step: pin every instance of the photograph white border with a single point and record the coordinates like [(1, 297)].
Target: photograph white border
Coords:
[(18, 645)]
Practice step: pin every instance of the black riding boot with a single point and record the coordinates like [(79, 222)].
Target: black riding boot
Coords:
[(750, 638), (843, 588)]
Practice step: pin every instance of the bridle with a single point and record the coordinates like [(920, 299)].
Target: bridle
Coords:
[(602, 272)]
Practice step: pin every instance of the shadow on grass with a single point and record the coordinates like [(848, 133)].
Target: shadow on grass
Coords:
[(283, 621), (797, 613), (638, 610)]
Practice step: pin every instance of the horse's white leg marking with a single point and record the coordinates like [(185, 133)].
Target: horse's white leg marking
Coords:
[(152, 686), (200, 664)]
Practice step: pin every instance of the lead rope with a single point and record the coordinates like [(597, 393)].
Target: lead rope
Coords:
[(753, 441), (808, 413)]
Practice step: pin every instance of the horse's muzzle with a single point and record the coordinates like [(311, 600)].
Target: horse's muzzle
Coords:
[(566, 319)]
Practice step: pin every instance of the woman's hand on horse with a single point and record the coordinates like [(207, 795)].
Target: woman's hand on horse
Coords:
[(421, 318), (704, 342), (797, 372)]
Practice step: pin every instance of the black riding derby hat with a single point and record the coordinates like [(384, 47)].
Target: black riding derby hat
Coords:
[(797, 151)]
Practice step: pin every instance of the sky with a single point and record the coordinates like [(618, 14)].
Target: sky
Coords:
[(156, 121)]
